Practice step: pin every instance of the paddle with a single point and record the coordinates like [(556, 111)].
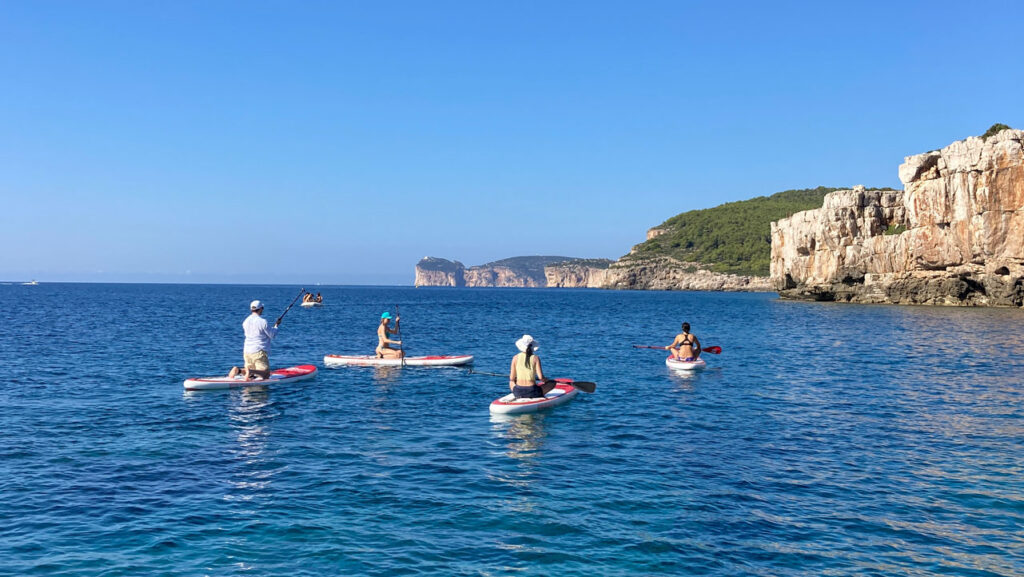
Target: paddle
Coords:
[(712, 350), (301, 292), (398, 329), (585, 386)]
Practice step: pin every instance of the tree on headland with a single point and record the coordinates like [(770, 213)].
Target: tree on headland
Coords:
[(731, 238), (993, 130)]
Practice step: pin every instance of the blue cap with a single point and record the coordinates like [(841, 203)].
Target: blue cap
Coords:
[(386, 315)]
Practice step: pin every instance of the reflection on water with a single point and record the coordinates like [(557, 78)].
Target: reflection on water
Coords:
[(248, 415), (523, 436), (386, 375)]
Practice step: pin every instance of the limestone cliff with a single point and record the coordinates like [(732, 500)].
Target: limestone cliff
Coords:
[(667, 273), (516, 272), (581, 273), (953, 236), (501, 276), (431, 271)]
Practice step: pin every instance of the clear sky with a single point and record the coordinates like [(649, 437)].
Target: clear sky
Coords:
[(340, 142)]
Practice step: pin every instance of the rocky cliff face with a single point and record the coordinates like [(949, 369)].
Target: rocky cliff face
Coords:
[(954, 236), (577, 275), (516, 272), (666, 273), (431, 271), (501, 276)]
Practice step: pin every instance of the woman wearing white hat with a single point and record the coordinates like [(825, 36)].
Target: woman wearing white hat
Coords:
[(526, 371)]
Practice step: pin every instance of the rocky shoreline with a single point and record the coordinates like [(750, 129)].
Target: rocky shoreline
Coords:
[(953, 236)]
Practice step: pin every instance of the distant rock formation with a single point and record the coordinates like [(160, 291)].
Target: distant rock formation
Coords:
[(667, 273), (516, 272), (954, 236), (432, 271), (580, 273)]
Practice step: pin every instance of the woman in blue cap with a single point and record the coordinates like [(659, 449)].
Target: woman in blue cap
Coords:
[(384, 350)]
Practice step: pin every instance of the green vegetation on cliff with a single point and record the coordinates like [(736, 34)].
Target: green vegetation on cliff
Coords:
[(731, 238), (994, 130)]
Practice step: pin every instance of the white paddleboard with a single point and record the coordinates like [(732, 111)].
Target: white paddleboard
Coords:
[(509, 405), (685, 365), (372, 360), (277, 376)]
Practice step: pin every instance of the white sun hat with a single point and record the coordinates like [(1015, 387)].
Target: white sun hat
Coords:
[(527, 340)]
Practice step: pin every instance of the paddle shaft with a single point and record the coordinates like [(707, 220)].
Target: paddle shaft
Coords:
[(301, 292), (398, 329), (585, 386), (713, 350)]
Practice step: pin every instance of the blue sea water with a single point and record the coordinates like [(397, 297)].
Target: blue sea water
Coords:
[(824, 440)]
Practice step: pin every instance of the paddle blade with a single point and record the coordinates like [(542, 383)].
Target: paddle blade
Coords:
[(713, 350), (585, 386)]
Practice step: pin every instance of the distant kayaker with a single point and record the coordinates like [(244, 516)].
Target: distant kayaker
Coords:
[(319, 298), (308, 298), (384, 342), (685, 347), (256, 349), (526, 371)]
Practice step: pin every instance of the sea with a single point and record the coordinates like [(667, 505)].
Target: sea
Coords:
[(825, 439)]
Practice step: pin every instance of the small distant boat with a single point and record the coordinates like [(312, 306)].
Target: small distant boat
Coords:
[(33, 283), (311, 304)]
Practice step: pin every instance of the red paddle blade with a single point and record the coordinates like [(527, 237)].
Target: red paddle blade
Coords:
[(713, 350)]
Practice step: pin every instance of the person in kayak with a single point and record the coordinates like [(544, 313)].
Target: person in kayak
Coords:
[(256, 349), (384, 331), (685, 347), (319, 298), (526, 371), (308, 298)]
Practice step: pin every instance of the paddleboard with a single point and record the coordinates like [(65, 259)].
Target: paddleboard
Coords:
[(509, 405), (277, 376), (685, 365), (372, 360)]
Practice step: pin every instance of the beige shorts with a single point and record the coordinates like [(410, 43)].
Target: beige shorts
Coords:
[(257, 361)]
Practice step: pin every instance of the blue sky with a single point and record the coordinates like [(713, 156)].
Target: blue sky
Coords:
[(339, 142)]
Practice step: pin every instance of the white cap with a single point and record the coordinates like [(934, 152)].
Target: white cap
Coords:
[(524, 342), (255, 305)]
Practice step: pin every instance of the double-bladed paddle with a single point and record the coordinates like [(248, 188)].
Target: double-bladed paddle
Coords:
[(585, 386), (712, 350)]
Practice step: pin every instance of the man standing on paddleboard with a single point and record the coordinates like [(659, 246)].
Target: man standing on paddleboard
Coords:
[(258, 334)]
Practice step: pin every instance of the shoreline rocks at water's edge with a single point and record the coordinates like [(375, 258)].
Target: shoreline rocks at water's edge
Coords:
[(953, 236)]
